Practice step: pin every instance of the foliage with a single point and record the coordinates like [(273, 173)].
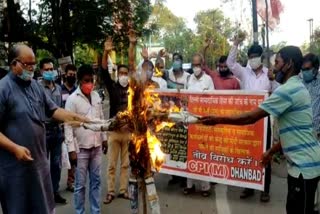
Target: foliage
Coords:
[(212, 25), (315, 45), (57, 26)]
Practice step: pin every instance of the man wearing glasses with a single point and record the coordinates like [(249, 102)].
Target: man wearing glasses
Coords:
[(25, 181)]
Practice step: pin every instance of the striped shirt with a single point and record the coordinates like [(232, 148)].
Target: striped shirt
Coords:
[(291, 104), (314, 90)]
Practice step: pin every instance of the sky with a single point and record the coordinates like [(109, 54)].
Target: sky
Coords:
[(293, 28)]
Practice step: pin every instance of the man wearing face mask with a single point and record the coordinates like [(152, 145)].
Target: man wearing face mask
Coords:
[(291, 105), (25, 180), (177, 77), (117, 141), (158, 74), (223, 79), (253, 77), (311, 79), (199, 80), (54, 134), (68, 87), (85, 146)]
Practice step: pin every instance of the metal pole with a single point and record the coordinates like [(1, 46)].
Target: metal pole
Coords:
[(255, 22), (267, 33)]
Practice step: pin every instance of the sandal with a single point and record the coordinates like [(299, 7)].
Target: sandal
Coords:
[(109, 198), (188, 191), (124, 196), (205, 193)]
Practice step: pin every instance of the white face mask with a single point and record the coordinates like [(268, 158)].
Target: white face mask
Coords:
[(197, 71), (255, 62), (124, 81)]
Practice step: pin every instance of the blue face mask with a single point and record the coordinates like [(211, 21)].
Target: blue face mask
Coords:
[(49, 75), (308, 75), (26, 75)]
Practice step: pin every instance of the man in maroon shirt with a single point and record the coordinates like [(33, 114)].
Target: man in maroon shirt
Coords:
[(223, 79)]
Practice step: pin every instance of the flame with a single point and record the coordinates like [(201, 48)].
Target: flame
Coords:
[(157, 72), (138, 111), (157, 156)]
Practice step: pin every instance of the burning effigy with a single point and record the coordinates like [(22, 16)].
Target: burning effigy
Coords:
[(144, 117)]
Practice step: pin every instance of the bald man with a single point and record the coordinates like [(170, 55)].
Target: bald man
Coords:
[(25, 182)]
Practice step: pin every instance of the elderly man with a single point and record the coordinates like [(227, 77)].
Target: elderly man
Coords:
[(25, 181)]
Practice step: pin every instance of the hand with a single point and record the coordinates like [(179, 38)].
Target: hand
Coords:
[(271, 75), (132, 36), (105, 147), (144, 53), (22, 153), (207, 43), (73, 158), (108, 44), (162, 53), (208, 120), (266, 158), (240, 37)]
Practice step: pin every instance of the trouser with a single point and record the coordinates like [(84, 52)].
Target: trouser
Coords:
[(205, 185), (88, 161), (301, 193), (267, 177), (54, 139), (118, 144)]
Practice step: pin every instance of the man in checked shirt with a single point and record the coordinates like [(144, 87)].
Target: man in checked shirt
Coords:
[(253, 77)]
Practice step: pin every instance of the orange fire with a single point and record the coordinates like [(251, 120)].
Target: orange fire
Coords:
[(139, 111)]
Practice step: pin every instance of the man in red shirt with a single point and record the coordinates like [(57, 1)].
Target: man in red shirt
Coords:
[(223, 79)]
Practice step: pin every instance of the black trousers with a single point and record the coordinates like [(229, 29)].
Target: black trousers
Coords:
[(301, 194)]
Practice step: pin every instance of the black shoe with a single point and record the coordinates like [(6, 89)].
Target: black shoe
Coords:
[(59, 200), (246, 193), (174, 180), (264, 197)]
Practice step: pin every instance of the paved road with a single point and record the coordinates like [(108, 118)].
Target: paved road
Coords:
[(224, 199)]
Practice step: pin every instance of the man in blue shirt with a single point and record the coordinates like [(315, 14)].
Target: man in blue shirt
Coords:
[(25, 181), (291, 105)]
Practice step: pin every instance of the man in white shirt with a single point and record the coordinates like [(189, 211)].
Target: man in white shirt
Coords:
[(176, 76), (86, 148), (158, 73), (253, 77), (198, 81)]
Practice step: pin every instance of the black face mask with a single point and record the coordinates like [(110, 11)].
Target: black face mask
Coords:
[(280, 75), (71, 80), (224, 73)]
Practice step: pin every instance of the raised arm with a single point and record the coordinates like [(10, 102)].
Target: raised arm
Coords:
[(105, 75), (132, 50), (232, 63)]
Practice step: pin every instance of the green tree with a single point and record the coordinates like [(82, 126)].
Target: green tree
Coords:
[(58, 25), (315, 44), (212, 25)]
